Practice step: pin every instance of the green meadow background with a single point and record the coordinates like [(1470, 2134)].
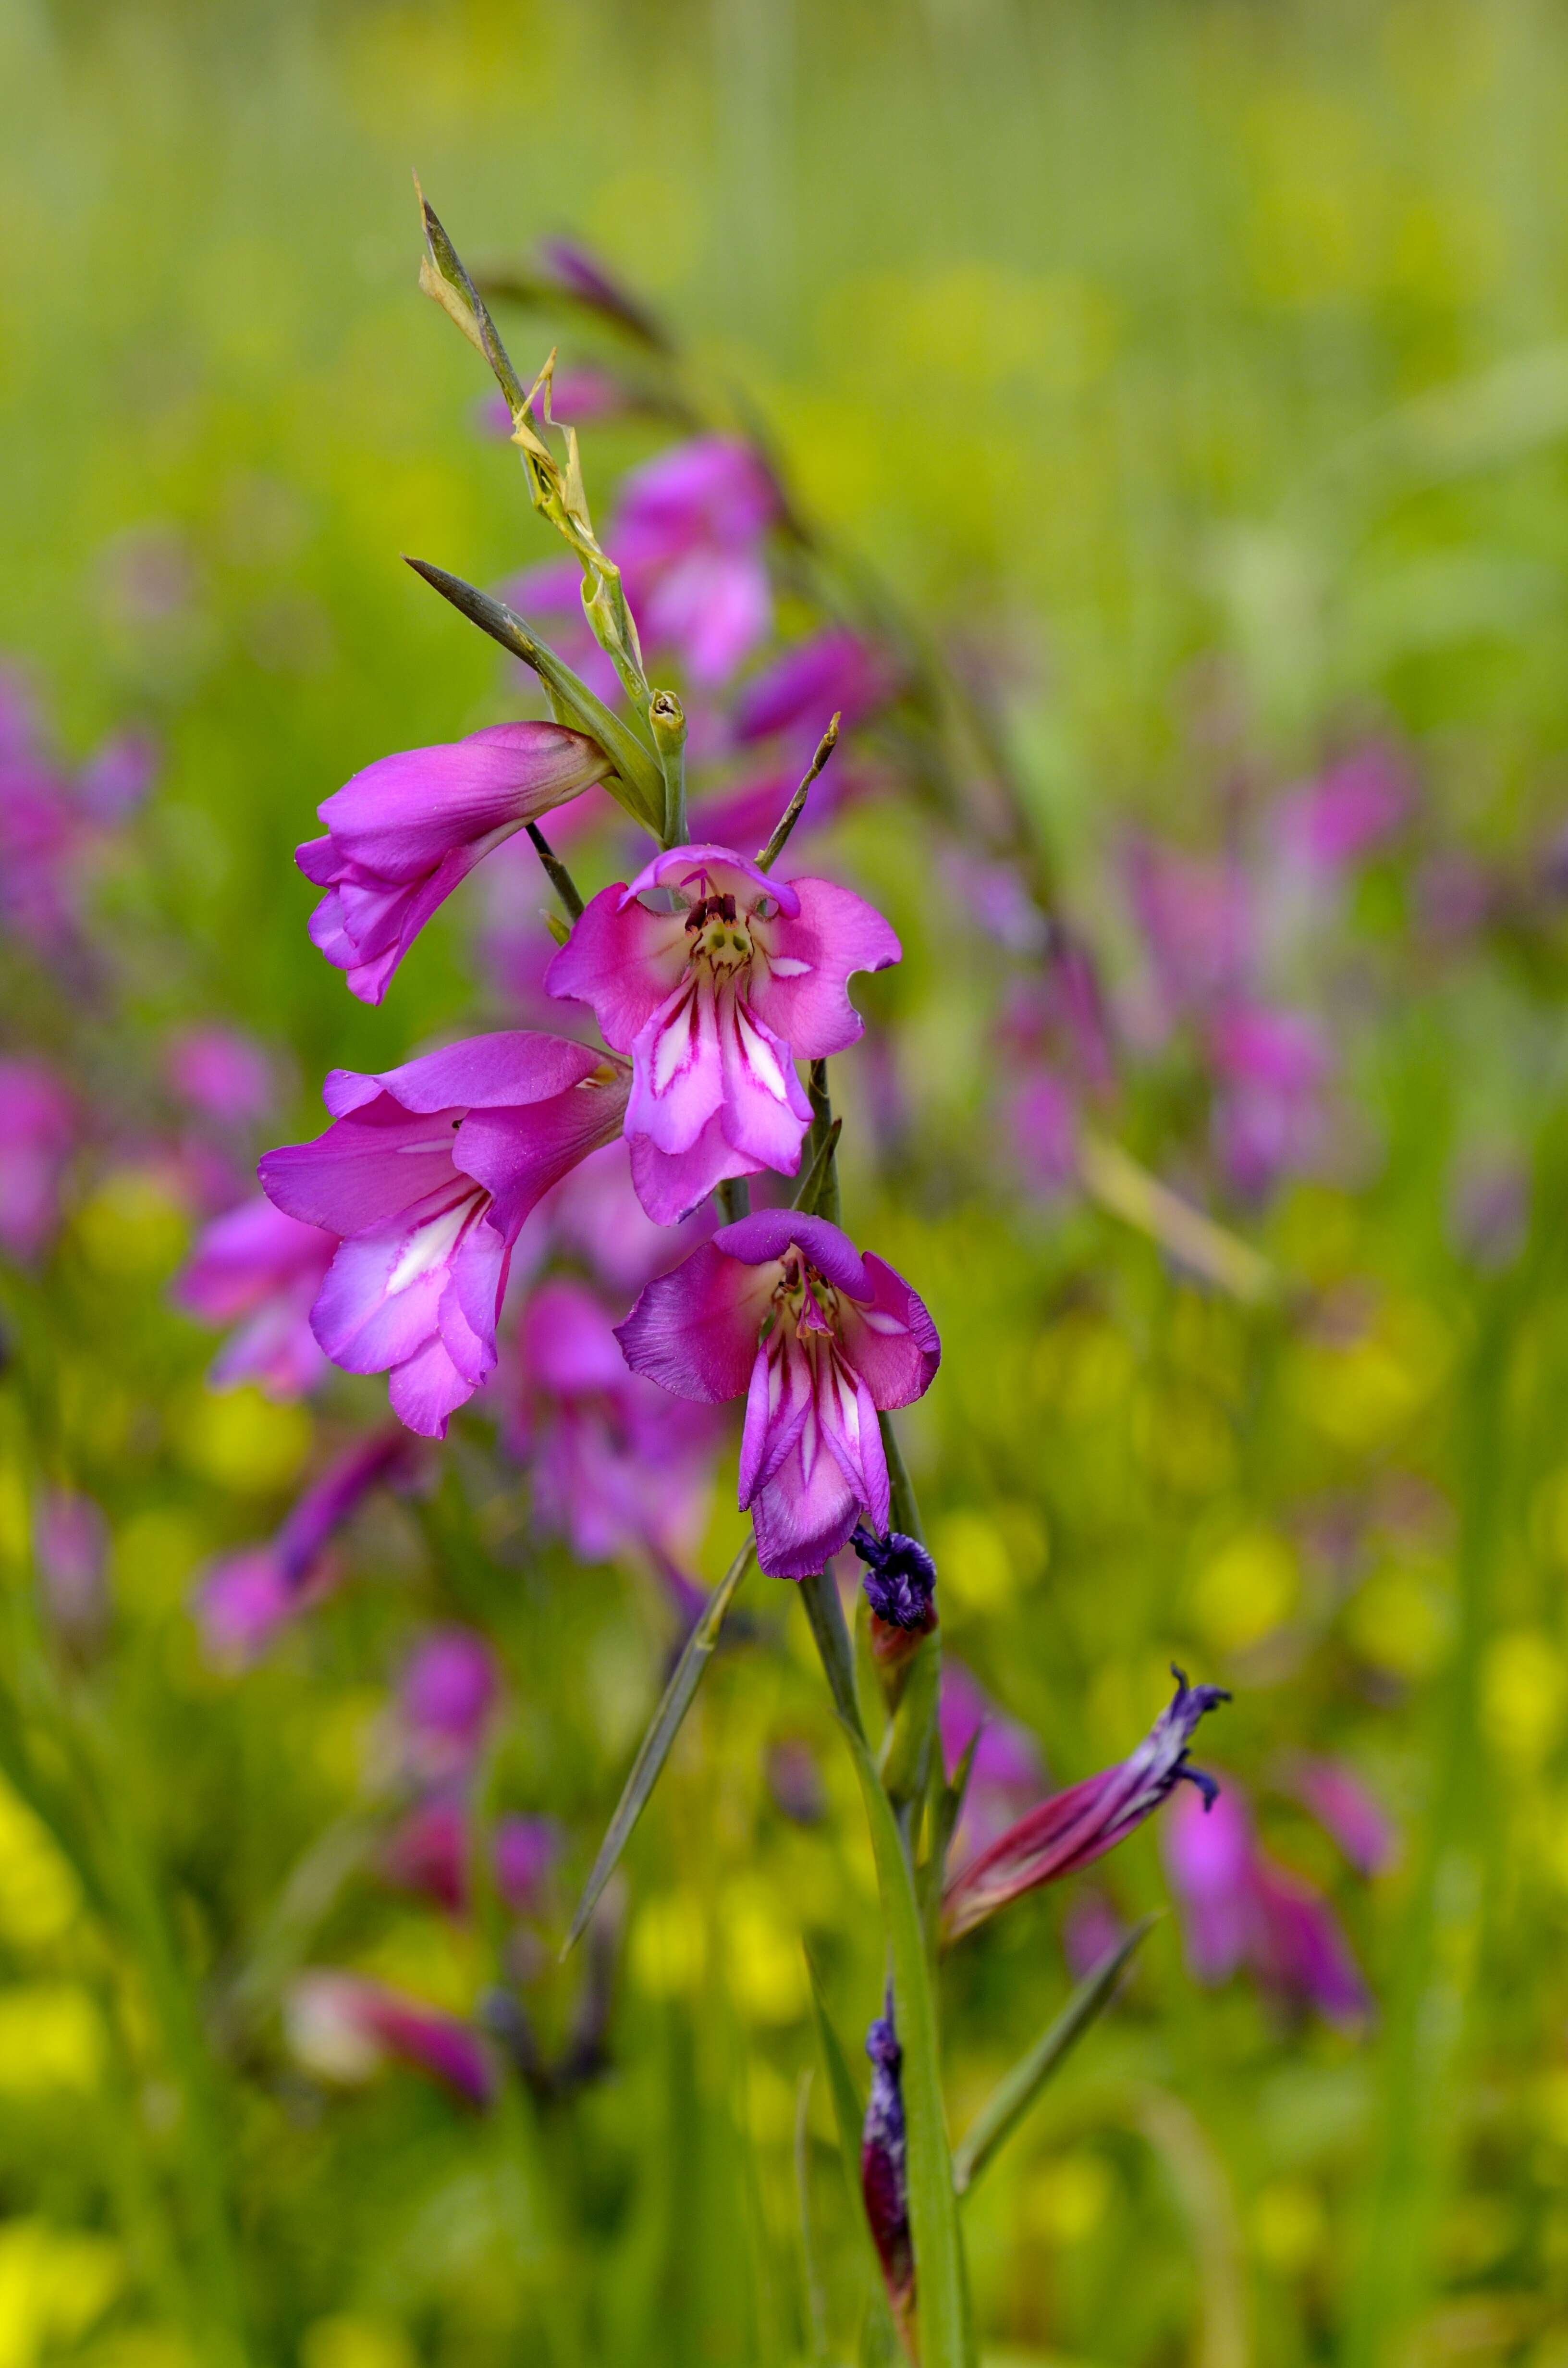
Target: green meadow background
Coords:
[(1182, 356)]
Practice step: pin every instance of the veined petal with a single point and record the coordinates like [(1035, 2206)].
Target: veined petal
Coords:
[(766, 1110), (778, 1403), (694, 1330), (677, 1069), (805, 1514), (799, 978), (889, 1337), (622, 961), (671, 1184)]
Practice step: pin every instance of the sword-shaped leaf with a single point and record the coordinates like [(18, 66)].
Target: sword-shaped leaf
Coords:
[(1006, 2108), (654, 1749)]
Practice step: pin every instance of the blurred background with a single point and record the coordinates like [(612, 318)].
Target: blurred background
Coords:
[(1196, 376)]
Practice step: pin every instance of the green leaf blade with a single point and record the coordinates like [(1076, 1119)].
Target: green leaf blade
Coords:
[(656, 1744)]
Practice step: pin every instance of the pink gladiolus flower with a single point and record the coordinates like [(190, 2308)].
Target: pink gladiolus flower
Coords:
[(594, 1216), (833, 673), (783, 1308), (446, 1698), (1074, 1828), (256, 1263), (38, 1124), (345, 2027), (1007, 1773), (51, 822), (430, 1852), (1198, 921), (616, 1461), (245, 1598), (71, 1549), (1331, 824), (688, 534), (427, 1174), (1344, 1807), (715, 1001), (220, 1073), (1271, 1069), (402, 834), (1241, 1907)]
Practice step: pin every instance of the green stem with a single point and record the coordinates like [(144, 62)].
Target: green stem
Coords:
[(947, 2339)]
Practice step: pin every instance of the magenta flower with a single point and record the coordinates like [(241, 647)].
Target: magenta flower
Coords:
[(256, 1263), (616, 1461), (51, 822), (1333, 823), (835, 672), (38, 1126), (1345, 1808), (1241, 1907), (345, 2027), (884, 2164), (715, 1000), (783, 1308), (689, 536), (71, 1551), (430, 1852), (427, 1174), (402, 834), (446, 1696), (1007, 1773), (222, 1074), (1198, 923), (1074, 1828), (245, 1598), (593, 1215), (1271, 1073)]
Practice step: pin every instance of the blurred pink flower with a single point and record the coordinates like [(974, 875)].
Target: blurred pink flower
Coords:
[(1328, 826), (1270, 1119), (1241, 1907), (245, 1598), (1345, 1808), (50, 819), (1007, 1773), (446, 1696), (256, 1263), (71, 1551), (222, 1074), (714, 1001), (616, 1461), (430, 1851), (783, 1309), (345, 2027), (1197, 920), (37, 1127)]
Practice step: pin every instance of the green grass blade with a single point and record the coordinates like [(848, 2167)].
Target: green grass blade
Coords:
[(1002, 2112), (654, 1749)]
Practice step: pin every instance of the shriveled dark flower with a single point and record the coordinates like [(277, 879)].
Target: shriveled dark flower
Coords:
[(884, 2180), (900, 1578), (1074, 1828)]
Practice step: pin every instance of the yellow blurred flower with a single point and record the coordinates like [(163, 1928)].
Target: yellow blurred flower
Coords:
[(132, 1228), (1288, 2225), (1065, 2200), (346, 2340), (763, 1959), (54, 2284), (1399, 1622), (39, 1894), (1523, 1686), (1245, 1591), (242, 1439), (974, 1570), (50, 2038), (669, 1945)]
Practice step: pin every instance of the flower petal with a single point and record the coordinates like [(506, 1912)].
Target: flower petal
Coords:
[(890, 1338), (694, 1331), (834, 933), (622, 961)]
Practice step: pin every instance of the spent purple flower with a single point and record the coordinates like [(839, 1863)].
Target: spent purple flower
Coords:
[(884, 2166), (900, 1578), (1072, 1828)]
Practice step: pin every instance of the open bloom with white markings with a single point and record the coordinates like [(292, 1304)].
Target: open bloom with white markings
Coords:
[(784, 1308), (716, 979), (427, 1174)]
